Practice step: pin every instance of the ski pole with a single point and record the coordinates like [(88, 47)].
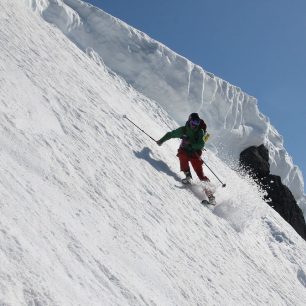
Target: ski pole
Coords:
[(223, 185), (125, 117)]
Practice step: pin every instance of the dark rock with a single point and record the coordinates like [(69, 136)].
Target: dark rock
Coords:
[(256, 161)]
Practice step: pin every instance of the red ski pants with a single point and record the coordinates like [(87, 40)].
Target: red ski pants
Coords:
[(194, 159)]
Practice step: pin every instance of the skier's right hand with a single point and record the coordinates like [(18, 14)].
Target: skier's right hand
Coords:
[(159, 142)]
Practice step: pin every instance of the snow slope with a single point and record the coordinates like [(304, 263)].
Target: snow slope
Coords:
[(92, 212), (177, 84)]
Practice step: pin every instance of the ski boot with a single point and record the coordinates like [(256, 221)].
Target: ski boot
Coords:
[(187, 179), (205, 179), (211, 200)]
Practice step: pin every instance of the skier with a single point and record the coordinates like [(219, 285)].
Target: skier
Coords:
[(190, 150)]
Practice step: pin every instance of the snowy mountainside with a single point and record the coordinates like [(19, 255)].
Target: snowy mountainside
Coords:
[(177, 84), (92, 212)]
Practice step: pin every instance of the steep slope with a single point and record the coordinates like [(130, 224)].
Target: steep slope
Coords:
[(178, 85), (91, 210)]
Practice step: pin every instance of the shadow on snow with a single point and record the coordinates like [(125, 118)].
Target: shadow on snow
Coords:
[(159, 165)]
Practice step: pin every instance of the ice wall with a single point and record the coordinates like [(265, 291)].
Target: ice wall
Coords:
[(177, 84)]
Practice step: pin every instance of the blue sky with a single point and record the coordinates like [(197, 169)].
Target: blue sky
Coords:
[(259, 46)]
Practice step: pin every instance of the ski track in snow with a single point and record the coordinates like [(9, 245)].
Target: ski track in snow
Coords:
[(90, 211)]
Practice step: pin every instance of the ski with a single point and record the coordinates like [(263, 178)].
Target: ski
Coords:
[(200, 192), (209, 202)]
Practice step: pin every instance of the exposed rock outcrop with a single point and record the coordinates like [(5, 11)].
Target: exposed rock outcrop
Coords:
[(255, 160)]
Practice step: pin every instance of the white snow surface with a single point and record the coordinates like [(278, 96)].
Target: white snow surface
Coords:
[(92, 211), (177, 84)]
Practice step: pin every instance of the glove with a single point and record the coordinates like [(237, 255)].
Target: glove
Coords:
[(159, 142)]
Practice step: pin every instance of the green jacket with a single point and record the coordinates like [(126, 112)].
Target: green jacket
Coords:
[(193, 136)]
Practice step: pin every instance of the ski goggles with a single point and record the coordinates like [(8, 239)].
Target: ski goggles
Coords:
[(194, 122)]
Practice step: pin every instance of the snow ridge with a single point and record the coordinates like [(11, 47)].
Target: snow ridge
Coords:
[(178, 85)]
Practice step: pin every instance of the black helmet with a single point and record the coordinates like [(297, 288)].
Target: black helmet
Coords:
[(194, 120), (194, 116)]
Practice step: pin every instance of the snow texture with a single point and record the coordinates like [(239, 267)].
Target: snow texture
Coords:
[(92, 210)]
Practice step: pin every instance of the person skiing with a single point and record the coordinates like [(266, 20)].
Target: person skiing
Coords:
[(190, 150)]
